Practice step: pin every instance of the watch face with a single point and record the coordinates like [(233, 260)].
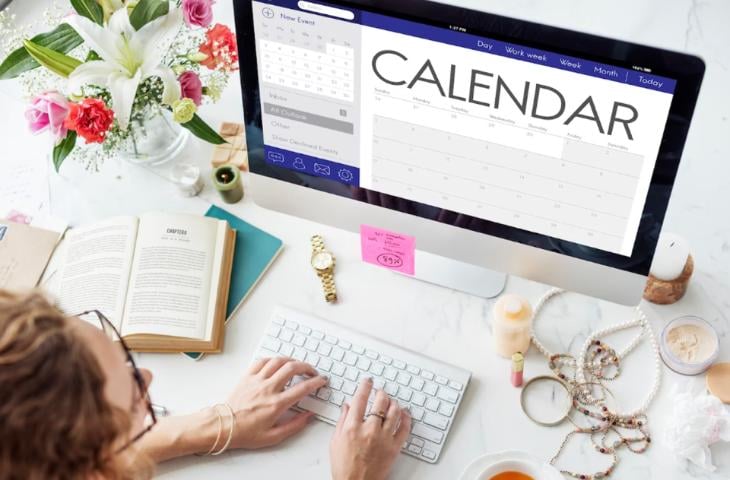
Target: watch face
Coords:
[(322, 260)]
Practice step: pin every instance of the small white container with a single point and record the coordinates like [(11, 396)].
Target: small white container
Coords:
[(710, 340), (511, 325)]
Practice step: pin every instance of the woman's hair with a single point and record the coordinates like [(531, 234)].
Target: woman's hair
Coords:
[(55, 421)]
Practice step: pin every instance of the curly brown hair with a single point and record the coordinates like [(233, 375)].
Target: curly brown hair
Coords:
[(55, 421)]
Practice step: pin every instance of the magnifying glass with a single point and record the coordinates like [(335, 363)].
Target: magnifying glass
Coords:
[(546, 400)]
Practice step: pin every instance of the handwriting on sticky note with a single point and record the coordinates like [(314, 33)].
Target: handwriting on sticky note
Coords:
[(387, 249)]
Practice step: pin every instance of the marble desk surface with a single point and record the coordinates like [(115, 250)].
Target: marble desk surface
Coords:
[(438, 322)]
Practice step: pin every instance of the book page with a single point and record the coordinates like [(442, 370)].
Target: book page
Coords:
[(95, 267), (170, 283)]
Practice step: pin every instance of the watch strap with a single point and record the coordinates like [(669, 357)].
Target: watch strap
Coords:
[(317, 243), (327, 277)]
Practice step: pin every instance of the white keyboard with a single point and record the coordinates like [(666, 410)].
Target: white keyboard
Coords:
[(430, 389)]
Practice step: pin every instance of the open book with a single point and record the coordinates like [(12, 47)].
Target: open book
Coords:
[(162, 279)]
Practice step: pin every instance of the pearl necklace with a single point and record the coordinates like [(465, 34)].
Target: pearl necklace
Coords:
[(580, 365), (591, 370)]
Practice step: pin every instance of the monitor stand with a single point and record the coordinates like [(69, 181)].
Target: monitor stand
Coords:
[(457, 275)]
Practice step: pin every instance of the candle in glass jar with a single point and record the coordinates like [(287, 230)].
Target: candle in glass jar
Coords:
[(188, 179), (671, 256)]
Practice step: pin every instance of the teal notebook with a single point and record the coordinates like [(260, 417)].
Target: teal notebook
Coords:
[(255, 251)]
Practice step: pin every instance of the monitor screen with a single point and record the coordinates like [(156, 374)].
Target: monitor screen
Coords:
[(514, 139)]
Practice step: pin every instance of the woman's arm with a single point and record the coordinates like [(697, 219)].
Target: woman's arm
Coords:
[(182, 435)]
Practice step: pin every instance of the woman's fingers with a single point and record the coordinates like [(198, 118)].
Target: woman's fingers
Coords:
[(279, 433), (392, 418), (273, 366), (257, 365), (360, 401), (380, 407), (343, 418), (293, 394), (288, 371), (404, 429)]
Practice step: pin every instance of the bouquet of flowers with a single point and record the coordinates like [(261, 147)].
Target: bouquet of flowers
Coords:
[(111, 64)]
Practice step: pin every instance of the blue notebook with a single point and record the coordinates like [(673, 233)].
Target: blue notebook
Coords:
[(255, 251)]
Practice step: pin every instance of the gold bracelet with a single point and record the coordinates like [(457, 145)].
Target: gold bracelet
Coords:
[(230, 430), (217, 438)]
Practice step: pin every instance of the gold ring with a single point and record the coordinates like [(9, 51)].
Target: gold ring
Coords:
[(380, 415)]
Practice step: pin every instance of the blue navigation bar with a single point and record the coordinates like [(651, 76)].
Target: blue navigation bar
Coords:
[(312, 165), (502, 49)]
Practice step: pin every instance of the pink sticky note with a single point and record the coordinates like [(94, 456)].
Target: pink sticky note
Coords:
[(391, 250)]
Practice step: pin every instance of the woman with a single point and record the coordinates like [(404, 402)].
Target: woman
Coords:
[(73, 406)]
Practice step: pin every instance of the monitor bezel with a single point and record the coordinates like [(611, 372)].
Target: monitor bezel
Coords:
[(687, 70)]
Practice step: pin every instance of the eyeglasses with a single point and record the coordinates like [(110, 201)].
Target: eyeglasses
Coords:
[(98, 319)]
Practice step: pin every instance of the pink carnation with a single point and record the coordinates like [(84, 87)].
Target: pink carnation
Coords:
[(48, 111), (191, 87), (198, 12)]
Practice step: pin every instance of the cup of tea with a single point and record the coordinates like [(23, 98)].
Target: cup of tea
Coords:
[(512, 470)]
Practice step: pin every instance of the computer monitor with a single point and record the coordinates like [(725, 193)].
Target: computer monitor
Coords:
[(500, 144)]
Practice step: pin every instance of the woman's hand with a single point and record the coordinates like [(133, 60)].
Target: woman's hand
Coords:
[(366, 449), (259, 401)]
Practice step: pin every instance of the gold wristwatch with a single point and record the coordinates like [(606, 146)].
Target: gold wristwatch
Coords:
[(324, 264)]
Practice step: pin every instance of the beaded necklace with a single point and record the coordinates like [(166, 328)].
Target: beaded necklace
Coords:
[(597, 363)]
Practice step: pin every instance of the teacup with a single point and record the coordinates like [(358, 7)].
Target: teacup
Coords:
[(524, 466)]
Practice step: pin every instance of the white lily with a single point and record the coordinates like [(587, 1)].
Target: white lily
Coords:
[(129, 57)]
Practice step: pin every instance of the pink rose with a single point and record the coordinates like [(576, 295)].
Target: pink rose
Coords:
[(48, 111), (191, 87), (198, 12)]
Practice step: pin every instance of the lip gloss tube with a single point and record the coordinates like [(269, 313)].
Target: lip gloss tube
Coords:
[(518, 367)]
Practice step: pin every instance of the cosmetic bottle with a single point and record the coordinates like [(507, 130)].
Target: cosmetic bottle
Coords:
[(511, 325)]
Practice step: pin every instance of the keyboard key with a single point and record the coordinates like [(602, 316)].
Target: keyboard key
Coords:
[(350, 359), (386, 360), (377, 369), (324, 409), (398, 364), (273, 330), (445, 393), (312, 359), (286, 335), (358, 349), (311, 344), (324, 365), (404, 379), (442, 380), (413, 369), (405, 394), (271, 344), (335, 383), (456, 386), (372, 355), (417, 384), (278, 320), (417, 442), (337, 398), (391, 389), (429, 454), (299, 354), (352, 374), (305, 330), (299, 340), (427, 375), (433, 404), (324, 393), (446, 409), (338, 369), (324, 349), (419, 399), (286, 350), (390, 373), (363, 364), (417, 413), (428, 433), (414, 449), (436, 420), (430, 389), (330, 339), (378, 383), (349, 388), (337, 354), (344, 344), (292, 324), (318, 335)]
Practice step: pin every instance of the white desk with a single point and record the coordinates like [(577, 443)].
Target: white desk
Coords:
[(436, 321)]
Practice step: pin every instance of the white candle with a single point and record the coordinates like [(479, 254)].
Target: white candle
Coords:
[(188, 179), (671, 256)]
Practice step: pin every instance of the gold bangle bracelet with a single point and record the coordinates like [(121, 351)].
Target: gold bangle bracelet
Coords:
[(217, 438), (546, 378), (230, 429)]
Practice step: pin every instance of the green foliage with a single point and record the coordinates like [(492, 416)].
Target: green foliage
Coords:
[(54, 61), (147, 11), (62, 39), (62, 150), (89, 9), (203, 131)]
